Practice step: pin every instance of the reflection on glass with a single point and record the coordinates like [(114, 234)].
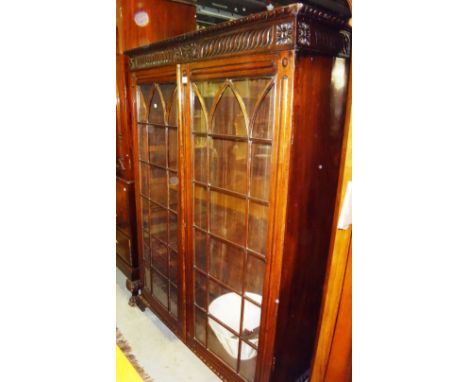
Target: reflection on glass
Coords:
[(248, 364), (200, 290), (172, 155), (200, 326), (228, 117), (157, 145), (264, 117), (147, 282), (159, 257), (228, 216), (145, 214), (143, 96), (200, 250), (200, 206), (254, 273), (198, 118), (160, 288), (173, 230), (173, 267), (200, 162), (158, 185), (173, 191), (142, 142), (156, 109), (144, 176), (258, 227), (173, 300), (226, 263), (158, 224), (261, 170), (228, 165)]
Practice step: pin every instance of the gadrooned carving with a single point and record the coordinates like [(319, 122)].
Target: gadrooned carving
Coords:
[(284, 34), (303, 33), (232, 43)]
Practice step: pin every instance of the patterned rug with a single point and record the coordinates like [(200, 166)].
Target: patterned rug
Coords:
[(127, 351)]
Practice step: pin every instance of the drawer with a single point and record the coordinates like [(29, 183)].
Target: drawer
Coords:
[(124, 247)]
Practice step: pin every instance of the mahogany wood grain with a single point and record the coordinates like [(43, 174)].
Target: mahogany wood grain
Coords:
[(313, 178), (341, 242)]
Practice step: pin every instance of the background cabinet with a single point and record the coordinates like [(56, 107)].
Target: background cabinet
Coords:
[(157, 25), (239, 130)]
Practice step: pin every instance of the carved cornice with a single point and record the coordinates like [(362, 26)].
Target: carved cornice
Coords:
[(296, 26)]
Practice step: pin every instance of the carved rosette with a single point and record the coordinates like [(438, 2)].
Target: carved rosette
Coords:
[(346, 47), (303, 34), (284, 34)]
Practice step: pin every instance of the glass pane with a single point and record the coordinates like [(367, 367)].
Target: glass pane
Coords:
[(200, 290), (159, 257), (158, 185), (200, 326), (224, 305), (172, 138), (143, 96), (142, 143), (223, 343), (254, 273), (226, 263), (200, 162), (147, 282), (227, 217), (264, 118), (249, 90), (144, 176), (228, 165), (208, 91), (198, 118), (146, 237), (261, 170), (173, 111), (252, 316), (173, 191), (200, 206), (174, 300), (147, 253), (167, 91), (258, 227), (145, 214), (156, 110), (158, 222), (160, 288), (157, 145), (173, 231), (248, 361), (200, 250), (173, 268), (228, 117)]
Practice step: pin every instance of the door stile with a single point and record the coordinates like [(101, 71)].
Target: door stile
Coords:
[(277, 213)]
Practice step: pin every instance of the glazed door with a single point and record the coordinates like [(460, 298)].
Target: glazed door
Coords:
[(231, 140), (158, 196)]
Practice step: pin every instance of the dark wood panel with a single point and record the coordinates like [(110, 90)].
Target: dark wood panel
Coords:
[(313, 179)]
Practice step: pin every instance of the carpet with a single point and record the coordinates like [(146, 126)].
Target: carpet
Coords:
[(128, 368)]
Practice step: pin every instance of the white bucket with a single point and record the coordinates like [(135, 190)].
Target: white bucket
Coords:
[(227, 309)]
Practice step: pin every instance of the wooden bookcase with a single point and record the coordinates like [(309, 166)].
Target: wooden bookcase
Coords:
[(237, 132)]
